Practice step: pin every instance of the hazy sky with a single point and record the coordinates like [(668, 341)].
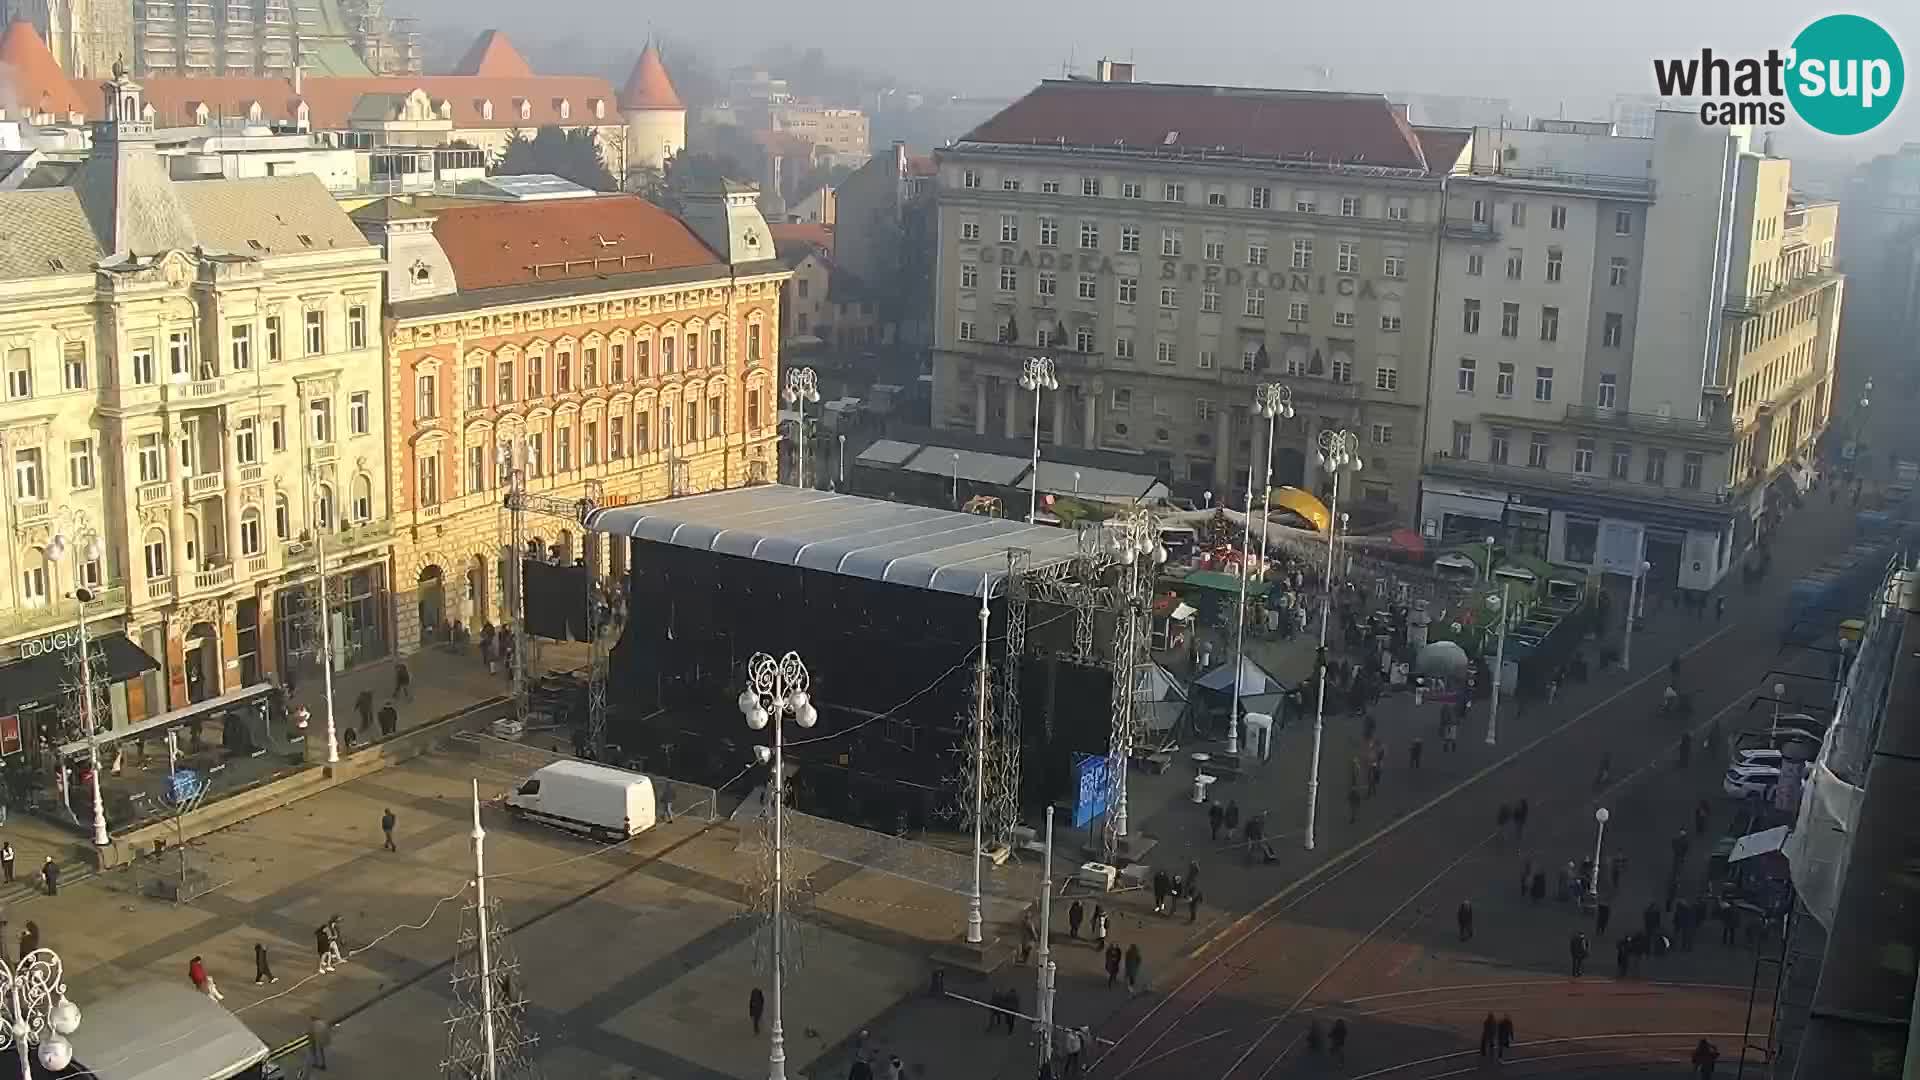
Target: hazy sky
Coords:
[(1536, 53)]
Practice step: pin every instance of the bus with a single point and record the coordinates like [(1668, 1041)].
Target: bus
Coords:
[(165, 1031)]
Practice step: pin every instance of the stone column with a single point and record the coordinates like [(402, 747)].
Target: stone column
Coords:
[(1060, 417), (1226, 489), (1090, 438), (230, 494), (979, 404), (1013, 408)]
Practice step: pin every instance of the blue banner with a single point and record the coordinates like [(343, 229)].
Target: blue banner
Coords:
[(1092, 790)]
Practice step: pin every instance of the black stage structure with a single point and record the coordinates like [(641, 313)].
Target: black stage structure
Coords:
[(883, 601)]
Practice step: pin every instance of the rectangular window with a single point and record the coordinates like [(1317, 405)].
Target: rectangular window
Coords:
[(1297, 311), (150, 457), (142, 363), (19, 374), (1090, 185), (1476, 263), (1509, 320), (1397, 210), (1470, 317), (1166, 353), (1088, 287), (1009, 282), (1497, 442), (1617, 271), (969, 230), (1389, 322), (1129, 239), (1342, 317), (357, 326), (240, 347), (1539, 450), (246, 442), (80, 464), (1172, 242), (1583, 455), (642, 433), (1462, 440), (320, 421), (590, 442), (1123, 348), (1386, 378), (1623, 223), (1622, 461), (1303, 202), (1049, 232), (1656, 471), (1394, 266), (1303, 254), (26, 475), (1090, 236), (968, 331), (1549, 324), (1256, 254), (1503, 380), (1215, 250), (1256, 302), (617, 363), (505, 387), (1083, 340), (1555, 261), (1349, 206), (180, 354), (1046, 285), (1382, 434), (1210, 297), (426, 404), (1347, 258), (1216, 197), (277, 431), (1465, 375), (1543, 384), (1009, 228), (617, 431), (691, 419), (1480, 211), (563, 367), (1169, 296), (476, 469), (1608, 393), (1692, 467), (969, 178), (1129, 290), (1049, 187), (316, 332), (1174, 193), (1612, 328), (1342, 370), (1516, 264), (1557, 217), (1260, 198), (429, 468), (273, 339), (1519, 212), (589, 368), (1131, 190), (476, 387)]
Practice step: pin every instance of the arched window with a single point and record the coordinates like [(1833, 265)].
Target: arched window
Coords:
[(252, 542), (282, 518), (33, 578), (362, 498), (323, 516), (156, 552)]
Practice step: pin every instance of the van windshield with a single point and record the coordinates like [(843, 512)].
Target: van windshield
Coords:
[(531, 787)]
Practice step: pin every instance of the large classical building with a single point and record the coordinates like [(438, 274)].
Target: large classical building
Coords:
[(1173, 247), (221, 37), (1879, 249), (193, 376), (594, 343), (1634, 344)]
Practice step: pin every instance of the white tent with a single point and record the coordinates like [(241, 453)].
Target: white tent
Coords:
[(1259, 690), (1158, 698)]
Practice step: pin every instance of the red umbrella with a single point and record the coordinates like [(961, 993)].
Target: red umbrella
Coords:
[(1410, 542)]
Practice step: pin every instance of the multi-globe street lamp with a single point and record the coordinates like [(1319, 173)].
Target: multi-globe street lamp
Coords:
[(777, 689), (1037, 375), (37, 1012), (803, 386), (75, 535), (1339, 454)]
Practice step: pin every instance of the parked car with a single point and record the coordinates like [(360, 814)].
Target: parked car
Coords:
[(1803, 722), (1743, 781), (1794, 745)]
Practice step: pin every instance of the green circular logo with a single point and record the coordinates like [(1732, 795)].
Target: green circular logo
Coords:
[(1846, 76)]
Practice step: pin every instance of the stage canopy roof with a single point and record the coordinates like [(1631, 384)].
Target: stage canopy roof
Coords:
[(916, 546)]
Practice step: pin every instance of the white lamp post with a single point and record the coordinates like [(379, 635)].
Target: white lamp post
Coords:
[(1636, 595), (776, 689), (1275, 402), (323, 511), (1779, 691), (38, 1012), (956, 479), (1037, 375), (89, 551), (1339, 453), (1136, 536), (803, 386), (1499, 663), (1240, 616), (1600, 817)]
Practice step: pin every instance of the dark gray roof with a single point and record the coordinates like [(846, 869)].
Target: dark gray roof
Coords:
[(45, 231), (267, 215)]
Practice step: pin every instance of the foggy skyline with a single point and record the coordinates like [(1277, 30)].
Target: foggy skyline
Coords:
[(1540, 58)]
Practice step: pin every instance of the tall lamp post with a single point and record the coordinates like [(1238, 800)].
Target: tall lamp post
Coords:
[(1600, 817), (76, 536), (1240, 616), (1499, 662), (1339, 453), (777, 689), (975, 923), (1275, 402), (803, 386), (1636, 594), (1036, 376), (37, 1011), (323, 511)]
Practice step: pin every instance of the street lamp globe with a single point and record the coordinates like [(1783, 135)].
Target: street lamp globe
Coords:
[(1601, 815), (57, 548), (757, 717), (56, 1053), (1779, 689), (65, 1017)]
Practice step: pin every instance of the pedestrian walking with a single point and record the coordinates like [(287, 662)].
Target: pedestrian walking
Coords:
[(1464, 917), (1450, 736), (50, 873), (363, 705), (1679, 844), (1233, 816), (1162, 885), (1622, 956), (1193, 873), (1075, 913), (756, 1007), (197, 974), (1705, 1057), (387, 822), (6, 860), (29, 938), (1577, 950), (323, 945), (389, 719), (335, 939), (1353, 803), (1602, 914), (1685, 919), (1099, 926), (1193, 905), (319, 1035), (1413, 752), (1489, 1034), (1702, 815), (1373, 778), (1337, 1042), (1132, 964), (1113, 964), (1216, 816), (1071, 1043), (402, 682), (1519, 819), (1506, 1037), (262, 967), (1729, 922)]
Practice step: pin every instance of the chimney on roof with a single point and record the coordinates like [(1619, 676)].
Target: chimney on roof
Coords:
[(298, 78), (1113, 70)]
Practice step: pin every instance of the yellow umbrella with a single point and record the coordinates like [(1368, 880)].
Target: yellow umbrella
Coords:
[(1304, 504)]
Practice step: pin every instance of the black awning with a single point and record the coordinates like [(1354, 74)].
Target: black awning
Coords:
[(41, 680)]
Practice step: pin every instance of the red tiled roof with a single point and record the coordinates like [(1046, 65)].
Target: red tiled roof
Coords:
[(648, 86), (524, 243), (494, 56), (34, 80), (922, 166), (802, 232), (1299, 124), (330, 101), (1443, 146)]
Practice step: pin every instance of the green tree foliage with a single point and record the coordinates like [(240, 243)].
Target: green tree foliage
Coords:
[(570, 153)]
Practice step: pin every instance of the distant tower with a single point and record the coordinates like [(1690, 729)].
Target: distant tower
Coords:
[(656, 118)]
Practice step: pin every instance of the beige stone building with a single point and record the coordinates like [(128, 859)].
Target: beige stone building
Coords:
[(1607, 391), (192, 379), (1173, 247), (592, 343)]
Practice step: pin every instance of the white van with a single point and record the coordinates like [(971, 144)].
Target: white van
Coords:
[(601, 801)]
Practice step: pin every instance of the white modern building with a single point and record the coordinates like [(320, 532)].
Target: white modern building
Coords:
[(1634, 341)]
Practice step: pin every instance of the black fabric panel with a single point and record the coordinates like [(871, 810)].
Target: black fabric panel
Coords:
[(556, 601)]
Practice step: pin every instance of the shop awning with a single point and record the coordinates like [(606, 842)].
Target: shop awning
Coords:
[(42, 680)]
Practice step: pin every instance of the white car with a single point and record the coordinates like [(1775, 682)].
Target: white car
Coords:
[(1744, 780), (1765, 757)]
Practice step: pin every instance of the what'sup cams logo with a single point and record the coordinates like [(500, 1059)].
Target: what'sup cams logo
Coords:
[(1842, 76)]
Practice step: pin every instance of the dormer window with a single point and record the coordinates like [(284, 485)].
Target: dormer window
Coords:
[(303, 117), (445, 109), (524, 107), (565, 108), (422, 274), (486, 110), (201, 114), (599, 108), (254, 113)]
